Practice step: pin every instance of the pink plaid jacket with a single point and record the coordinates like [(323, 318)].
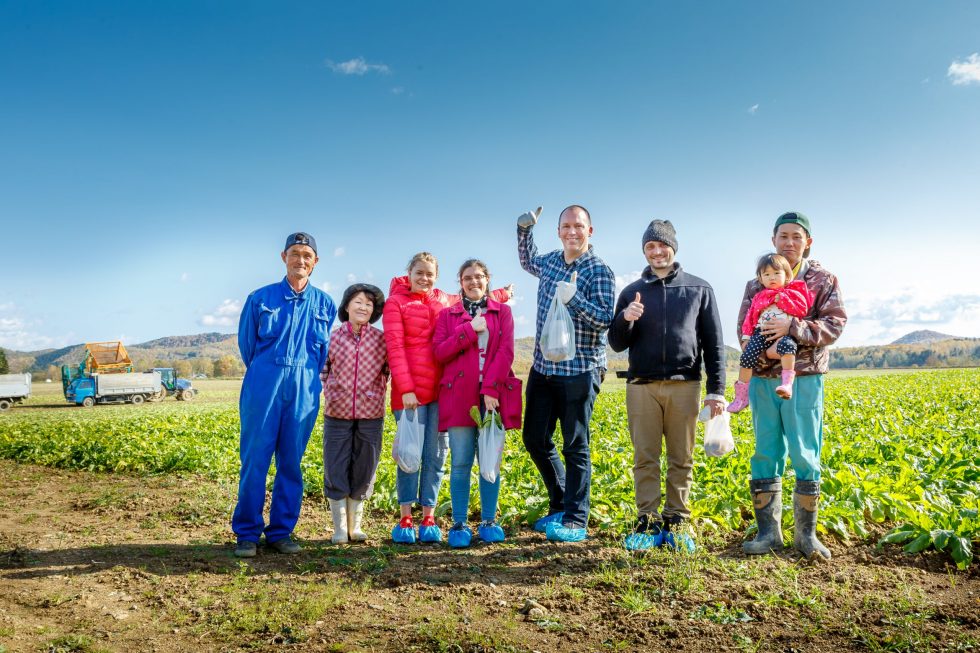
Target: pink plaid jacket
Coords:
[(355, 376)]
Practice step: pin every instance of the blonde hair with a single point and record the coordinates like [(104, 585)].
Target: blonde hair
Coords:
[(423, 257)]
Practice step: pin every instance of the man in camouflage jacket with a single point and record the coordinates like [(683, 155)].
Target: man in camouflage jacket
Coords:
[(793, 425)]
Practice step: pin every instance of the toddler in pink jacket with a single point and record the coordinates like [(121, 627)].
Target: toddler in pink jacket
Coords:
[(780, 296)]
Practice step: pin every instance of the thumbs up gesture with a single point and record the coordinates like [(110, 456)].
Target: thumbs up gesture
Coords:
[(634, 310), (479, 323), (567, 289), (529, 219)]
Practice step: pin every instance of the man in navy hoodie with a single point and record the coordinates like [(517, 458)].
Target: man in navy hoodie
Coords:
[(668, 319)]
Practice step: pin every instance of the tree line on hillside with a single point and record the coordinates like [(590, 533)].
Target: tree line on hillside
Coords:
[(225, 366), (957, 352)]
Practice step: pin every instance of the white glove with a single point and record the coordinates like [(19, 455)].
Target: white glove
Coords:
[(567, 289), (529, 219)]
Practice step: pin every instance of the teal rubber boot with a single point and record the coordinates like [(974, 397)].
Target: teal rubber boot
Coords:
[(767, 500), (806, 496)]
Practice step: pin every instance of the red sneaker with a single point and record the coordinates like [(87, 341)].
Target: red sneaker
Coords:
[(427, 520)]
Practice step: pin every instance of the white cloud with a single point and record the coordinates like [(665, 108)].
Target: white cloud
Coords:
[(882, 319), (340, 251), (357, 66), (20, 334), (623, 280), (753, 109), (965, 71), (397, 90), (225, 315), (326, 286), (185, 277), (351, 277)]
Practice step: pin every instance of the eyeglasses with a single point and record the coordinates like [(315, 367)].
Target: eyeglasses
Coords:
[(478, 277)]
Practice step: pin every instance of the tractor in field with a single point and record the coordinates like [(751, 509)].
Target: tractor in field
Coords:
[(172, 385)]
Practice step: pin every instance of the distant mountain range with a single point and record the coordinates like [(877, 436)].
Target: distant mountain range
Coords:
[(916, 349)]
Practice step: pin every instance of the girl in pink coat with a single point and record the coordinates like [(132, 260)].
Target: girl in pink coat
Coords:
[(474, 342), (779, 296)]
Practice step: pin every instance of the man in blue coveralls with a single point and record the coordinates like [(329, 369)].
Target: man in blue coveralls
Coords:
[(283, 335)]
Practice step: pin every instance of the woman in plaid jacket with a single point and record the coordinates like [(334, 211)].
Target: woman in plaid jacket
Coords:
[(355, 379)]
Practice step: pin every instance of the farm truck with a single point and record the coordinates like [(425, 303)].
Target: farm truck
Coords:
[(14, 388)]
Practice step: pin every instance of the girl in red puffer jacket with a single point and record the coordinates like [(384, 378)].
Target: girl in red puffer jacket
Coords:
[(780, 296), (409, 319)]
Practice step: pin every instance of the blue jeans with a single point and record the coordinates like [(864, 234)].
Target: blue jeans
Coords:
[(423, 486), (463, 445), (567, 400), (794, 424)]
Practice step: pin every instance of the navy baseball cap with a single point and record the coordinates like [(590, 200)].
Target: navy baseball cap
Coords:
[(300, 238)]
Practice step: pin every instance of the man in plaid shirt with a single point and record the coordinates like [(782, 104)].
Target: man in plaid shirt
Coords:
[(564, 392)]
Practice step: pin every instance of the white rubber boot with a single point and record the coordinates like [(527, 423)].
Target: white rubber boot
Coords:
[(338, 513), (355, 511)]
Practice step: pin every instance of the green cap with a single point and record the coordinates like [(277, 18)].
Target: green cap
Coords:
[(794, 217)]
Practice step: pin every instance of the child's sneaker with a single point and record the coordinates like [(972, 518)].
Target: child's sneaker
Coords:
[(741, 400), (404, 531), (428, 531), (460, 536), (785, 389), (558, 532), (541, 525), (490, 532)]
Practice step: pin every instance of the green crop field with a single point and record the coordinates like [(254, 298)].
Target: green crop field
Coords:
[(899, 450)]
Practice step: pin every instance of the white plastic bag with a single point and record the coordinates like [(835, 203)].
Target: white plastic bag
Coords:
[(558, 333), (718, 439), (407, 447), (490, 446)]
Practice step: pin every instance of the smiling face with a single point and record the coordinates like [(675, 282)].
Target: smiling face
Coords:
[(574, 231), (474, 282), (300, 261), (773, 278), (791, 240), (659, 255), (422, 276), (359, 309)]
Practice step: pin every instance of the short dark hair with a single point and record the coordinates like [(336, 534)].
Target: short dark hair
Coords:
[(774, 261), (581, 208)]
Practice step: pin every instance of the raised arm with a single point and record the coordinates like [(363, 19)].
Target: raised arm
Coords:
[(621, 332), (527, 251)]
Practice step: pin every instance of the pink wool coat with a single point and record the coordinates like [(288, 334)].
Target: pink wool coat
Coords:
[(793, 299), (456, 348)]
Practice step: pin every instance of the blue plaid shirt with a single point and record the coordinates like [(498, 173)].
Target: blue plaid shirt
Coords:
[(591, 307)]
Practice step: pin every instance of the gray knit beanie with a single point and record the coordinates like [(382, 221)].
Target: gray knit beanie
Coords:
[(662, 231)]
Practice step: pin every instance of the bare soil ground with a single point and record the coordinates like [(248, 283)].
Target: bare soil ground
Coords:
[(92, 562)]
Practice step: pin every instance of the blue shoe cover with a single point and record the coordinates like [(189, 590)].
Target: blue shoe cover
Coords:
[(558, 532), (430, 534), (541, 525), (490, 532), (402, 535), (643, 541), (679, 542), (459, 536)]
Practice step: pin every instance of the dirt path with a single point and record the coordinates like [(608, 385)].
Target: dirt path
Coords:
[(92, 562)]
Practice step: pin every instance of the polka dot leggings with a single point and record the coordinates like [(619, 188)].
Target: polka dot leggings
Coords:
[(757, 345)]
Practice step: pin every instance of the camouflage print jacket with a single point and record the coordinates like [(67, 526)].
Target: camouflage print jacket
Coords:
[(814, 333)]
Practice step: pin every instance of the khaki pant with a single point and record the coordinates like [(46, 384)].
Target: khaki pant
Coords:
[(657, 411)]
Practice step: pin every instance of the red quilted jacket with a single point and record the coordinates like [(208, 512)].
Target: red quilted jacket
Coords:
[(794, 299), (409, 318), (355, 375)]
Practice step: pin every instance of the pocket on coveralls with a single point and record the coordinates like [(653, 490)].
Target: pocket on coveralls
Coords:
[(268, 322)]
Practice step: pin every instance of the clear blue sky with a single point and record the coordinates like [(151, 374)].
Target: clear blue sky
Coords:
[(153, 156)]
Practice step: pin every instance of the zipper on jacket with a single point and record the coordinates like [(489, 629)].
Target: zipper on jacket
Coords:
[(663, 340)]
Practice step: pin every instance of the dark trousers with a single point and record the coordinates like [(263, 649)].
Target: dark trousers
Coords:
[(758, 344), (565, 400), (351, 449)]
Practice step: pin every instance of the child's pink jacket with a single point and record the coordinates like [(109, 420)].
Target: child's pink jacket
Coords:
[(793, 299)]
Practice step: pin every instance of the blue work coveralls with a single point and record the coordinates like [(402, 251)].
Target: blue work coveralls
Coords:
[(283, 337)]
